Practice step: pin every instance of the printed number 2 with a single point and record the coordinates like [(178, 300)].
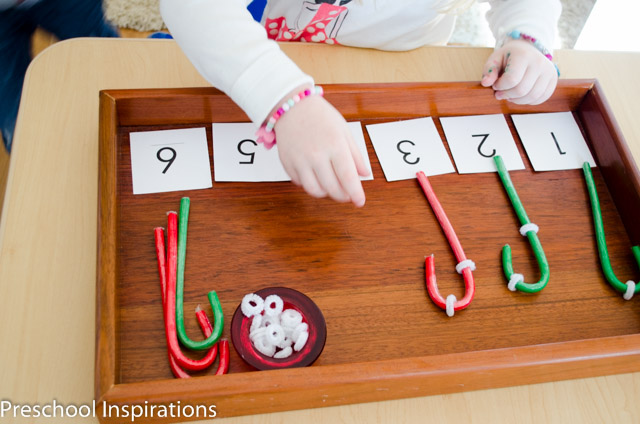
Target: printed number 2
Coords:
[(251, 155), (484, 138), (405, 154), (557, 144), (168, 161)]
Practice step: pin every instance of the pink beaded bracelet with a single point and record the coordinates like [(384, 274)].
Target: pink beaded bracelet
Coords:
[(517, 35), (266, 135)]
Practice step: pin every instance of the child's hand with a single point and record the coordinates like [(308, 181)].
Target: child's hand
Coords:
[(318, 152), (518, 72)]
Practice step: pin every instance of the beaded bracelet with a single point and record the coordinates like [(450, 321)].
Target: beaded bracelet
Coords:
[(266, 134), (517, 35)]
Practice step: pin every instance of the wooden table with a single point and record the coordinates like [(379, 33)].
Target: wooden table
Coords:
[(48, 227)]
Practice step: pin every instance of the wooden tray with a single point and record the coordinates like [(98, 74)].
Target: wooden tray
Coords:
[(364, 267)]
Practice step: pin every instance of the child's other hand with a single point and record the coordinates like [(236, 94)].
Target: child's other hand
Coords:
[(518, 72), (318, 152)]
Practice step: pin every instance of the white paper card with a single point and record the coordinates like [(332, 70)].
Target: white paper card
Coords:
[(406, 147), (358, 137), (553, 141), (170, 160), (475, 140), (238, 157)]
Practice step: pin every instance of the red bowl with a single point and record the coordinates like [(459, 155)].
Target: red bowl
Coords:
[(292, 299)]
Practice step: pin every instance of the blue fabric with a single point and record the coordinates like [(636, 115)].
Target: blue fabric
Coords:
[(256, 8), (63, 18), (161, 35)]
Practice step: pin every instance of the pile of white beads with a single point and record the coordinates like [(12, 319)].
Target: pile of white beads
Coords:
[(274, 332)]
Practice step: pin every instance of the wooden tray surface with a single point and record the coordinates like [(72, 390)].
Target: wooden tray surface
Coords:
[(364, 267)]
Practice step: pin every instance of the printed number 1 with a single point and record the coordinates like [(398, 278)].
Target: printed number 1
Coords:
[(168, 161), (484, 138), (557, 144)]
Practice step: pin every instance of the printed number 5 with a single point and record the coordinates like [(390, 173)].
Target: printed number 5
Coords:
[(251, 155), (168, 161), (405, 154)]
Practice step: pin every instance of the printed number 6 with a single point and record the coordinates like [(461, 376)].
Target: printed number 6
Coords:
[(405, 154), (251, 155), (170, 160)]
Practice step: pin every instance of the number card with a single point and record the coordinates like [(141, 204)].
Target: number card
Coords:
[(406, 147), (475, 140), (170, 160), (238, 157), (553, 141)]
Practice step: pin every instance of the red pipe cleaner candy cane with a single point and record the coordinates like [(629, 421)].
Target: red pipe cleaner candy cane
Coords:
[(205, 324), (223, 366), (170, 303), (465, 266), (169, 295), (160, 254), (207, 329)]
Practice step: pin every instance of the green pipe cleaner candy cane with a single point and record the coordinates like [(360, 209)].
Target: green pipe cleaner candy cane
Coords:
[(629, 288), (218, 319), (528, 229)]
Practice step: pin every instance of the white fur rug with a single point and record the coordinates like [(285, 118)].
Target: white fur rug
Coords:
[(141, 15)]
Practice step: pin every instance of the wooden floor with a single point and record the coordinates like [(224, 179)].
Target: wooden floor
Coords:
[(40, 41)]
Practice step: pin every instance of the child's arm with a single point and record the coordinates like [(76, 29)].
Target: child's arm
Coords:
[(234, 54), (518, 71)]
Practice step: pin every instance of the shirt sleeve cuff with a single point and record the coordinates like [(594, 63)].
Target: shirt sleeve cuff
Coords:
[(265, 83)]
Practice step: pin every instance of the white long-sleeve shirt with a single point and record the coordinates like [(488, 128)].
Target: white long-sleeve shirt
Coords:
[(241, 57)]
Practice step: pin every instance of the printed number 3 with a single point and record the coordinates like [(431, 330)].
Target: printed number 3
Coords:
[(405, 154), (168, 161), (251, 155)]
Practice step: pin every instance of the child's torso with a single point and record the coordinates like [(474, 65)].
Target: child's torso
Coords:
[(382, 24)]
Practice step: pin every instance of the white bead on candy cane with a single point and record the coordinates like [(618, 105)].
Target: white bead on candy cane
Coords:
[(514, 280), (451, 299), (467, 263), (631, 289), (529, 227)]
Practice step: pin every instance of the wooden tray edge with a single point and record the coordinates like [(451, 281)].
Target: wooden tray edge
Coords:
[(106, 361), (134, 103), (333, 385), (617, 166)]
